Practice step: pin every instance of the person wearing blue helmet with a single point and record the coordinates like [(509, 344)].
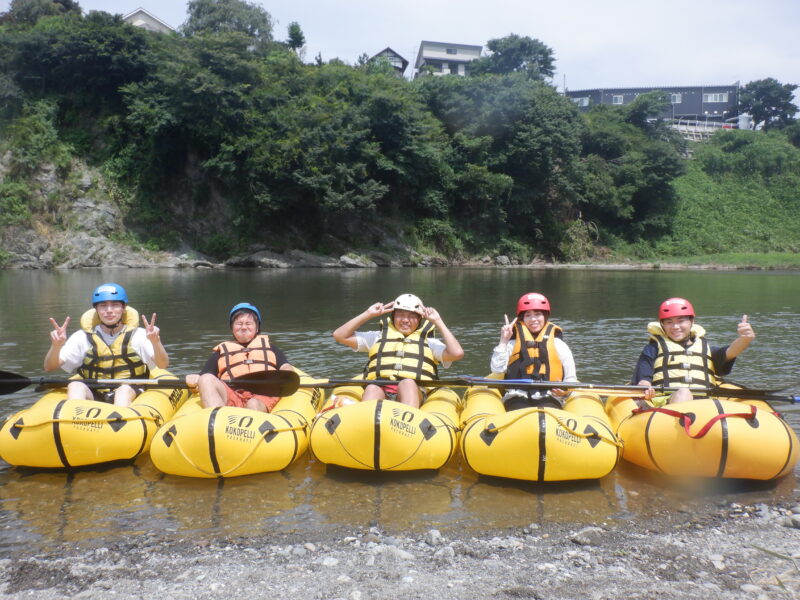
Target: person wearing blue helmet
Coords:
[(249, 352), (109, 345)]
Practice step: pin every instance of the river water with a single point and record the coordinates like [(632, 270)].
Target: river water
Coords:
[(603, 313)]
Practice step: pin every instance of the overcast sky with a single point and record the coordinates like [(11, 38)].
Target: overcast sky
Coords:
[(610, 43)]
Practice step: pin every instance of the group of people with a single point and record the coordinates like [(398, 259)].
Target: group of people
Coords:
[(402, 351)]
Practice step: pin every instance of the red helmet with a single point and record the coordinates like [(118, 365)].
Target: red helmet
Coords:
[(675, 307), (533, 301)]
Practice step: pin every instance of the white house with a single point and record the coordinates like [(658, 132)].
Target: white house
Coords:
[(141, 18), (442, 58)]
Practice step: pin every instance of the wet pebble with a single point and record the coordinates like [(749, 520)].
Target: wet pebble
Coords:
[(434, 538), (589, 536), (445, 553)]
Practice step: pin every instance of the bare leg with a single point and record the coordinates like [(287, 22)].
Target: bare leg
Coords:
[(373, 392), (212, 391), (408, 393), (682, 395), (124, 395), (77, 390), (256, 404)]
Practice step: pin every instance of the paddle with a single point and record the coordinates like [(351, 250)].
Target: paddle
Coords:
[(270, 383), (470, 380), (724, 392)]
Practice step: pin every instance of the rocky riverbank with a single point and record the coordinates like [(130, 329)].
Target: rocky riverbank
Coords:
[(79, 221), (731, 551)]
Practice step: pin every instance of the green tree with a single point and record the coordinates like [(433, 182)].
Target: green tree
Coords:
[(516, 54), (296, 38), (518, 129), (85, 60), (628, 162), (769, 102), (219, 16), (30, 11)]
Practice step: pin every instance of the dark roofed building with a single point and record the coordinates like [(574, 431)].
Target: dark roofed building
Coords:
[(398, 62), (716, 102)]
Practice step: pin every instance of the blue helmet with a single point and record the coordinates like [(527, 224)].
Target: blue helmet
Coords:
[(109, 292), (244, 306)]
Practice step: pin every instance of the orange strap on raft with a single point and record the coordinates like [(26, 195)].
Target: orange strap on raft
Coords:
[(687, 419)]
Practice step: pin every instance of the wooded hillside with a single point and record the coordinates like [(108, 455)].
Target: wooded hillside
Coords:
[(221, 138)]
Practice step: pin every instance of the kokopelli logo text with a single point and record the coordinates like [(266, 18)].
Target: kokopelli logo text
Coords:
[(88, 418), (564, 433), (239, 427), (401, 422)]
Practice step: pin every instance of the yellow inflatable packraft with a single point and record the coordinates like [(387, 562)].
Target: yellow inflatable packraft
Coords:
[(229, 441), (384, 435), (720, 438), (56, 432), (538, 444)]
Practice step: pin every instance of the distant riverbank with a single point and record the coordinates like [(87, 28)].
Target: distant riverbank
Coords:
[(28, 249)]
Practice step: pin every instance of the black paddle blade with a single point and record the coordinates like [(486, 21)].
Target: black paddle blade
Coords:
[(269, 383), (11, 382)]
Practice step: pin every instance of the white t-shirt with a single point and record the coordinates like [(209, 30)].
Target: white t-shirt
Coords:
[(500, 355), (73, 351), (368, 339)]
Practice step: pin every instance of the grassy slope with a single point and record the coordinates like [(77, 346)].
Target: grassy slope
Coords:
[(735, 220)]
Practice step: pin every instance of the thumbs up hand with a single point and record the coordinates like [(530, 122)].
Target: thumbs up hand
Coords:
[(745, 330)]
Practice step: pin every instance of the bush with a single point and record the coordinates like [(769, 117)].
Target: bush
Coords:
[(14, 203), (441, 235), (579, 241), (33, 139)]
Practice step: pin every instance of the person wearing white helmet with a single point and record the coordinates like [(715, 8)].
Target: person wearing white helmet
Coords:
[(249, 352), (403, 349), (678, 354), (109, 345)]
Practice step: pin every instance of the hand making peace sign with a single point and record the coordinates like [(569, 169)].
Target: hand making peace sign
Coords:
[(152, 332), (507, 330), (59, 334)]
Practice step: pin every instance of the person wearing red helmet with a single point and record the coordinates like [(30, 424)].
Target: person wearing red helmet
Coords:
[(109, 345), (531, 347), (250, 351), (403, 349), (678, 354)]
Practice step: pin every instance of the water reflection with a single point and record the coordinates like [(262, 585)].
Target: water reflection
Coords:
[(604, 315)]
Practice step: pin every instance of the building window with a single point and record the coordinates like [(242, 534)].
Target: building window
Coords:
[(616, 99), (582, 102), (452, 51), (720, 97), (675, 98)]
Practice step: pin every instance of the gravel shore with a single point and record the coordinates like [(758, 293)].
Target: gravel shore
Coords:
[(732, 551)]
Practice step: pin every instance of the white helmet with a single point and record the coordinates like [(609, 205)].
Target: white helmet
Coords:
[(408, 302)]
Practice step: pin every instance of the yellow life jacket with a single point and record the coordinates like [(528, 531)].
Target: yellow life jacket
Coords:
[(118, 361), (681, 366), (535, 356), (397, 356), (236, 360)]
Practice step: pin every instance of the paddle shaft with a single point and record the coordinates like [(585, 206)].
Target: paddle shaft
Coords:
[(269, 383), (527, 384)]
